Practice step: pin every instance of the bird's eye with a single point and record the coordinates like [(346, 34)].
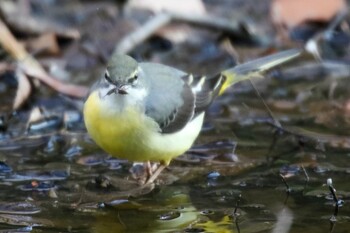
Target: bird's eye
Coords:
[(133, 80), (107, 77)]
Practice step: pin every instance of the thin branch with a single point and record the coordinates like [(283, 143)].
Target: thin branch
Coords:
[(237, 204), (210, 22), (138, 36), (235, 214), (288, 189), (130, 41), (338, 202), (307, 178)]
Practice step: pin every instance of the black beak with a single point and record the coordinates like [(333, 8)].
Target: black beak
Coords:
[(121, 90)]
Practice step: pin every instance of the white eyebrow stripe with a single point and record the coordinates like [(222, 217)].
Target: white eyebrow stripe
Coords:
[(134, 73)]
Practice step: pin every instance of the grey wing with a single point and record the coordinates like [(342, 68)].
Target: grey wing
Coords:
[(182, 97), (205, 90), (170, 101)]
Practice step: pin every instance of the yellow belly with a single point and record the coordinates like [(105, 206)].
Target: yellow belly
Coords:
[(128, 134)]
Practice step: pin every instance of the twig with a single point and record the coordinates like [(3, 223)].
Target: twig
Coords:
[(338, 202), (235, 215), (210, 22), (135, 38), (10, 44), (237, 205), (307, 178), (288, 189)]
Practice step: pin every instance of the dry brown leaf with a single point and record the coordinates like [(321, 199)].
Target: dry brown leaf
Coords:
[(45, 43), (291, 13), (23, 90), (33, 68), (19, 17)]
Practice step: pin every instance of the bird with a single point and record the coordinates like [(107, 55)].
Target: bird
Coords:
[(143, 111)]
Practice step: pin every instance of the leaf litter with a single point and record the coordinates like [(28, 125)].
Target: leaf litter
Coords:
[(46, 155)]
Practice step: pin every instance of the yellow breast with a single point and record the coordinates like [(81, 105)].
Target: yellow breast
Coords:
[(129, 134)]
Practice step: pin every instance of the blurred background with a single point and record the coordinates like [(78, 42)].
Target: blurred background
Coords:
[(266, 150)]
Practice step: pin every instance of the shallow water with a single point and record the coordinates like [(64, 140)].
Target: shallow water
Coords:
[(55, 179)]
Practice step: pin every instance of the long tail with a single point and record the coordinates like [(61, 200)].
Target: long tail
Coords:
[(256, 67)]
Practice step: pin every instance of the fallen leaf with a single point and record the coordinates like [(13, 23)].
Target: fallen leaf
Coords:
[(19, 16), (44, 44), (23, 90), (32, 67), (291, 13)]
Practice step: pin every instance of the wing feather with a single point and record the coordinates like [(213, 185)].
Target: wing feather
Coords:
[(183, 97)]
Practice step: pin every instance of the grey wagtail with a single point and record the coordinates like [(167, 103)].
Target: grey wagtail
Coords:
[(153, 112)]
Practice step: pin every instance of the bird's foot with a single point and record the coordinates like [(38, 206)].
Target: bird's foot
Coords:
[(147, 172), (155, 174), (150, 168)]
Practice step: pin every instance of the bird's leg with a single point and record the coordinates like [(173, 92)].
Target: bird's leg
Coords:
[(149, 169), (156, 173)]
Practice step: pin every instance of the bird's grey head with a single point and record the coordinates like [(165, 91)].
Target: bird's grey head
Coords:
[(122, 74)]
